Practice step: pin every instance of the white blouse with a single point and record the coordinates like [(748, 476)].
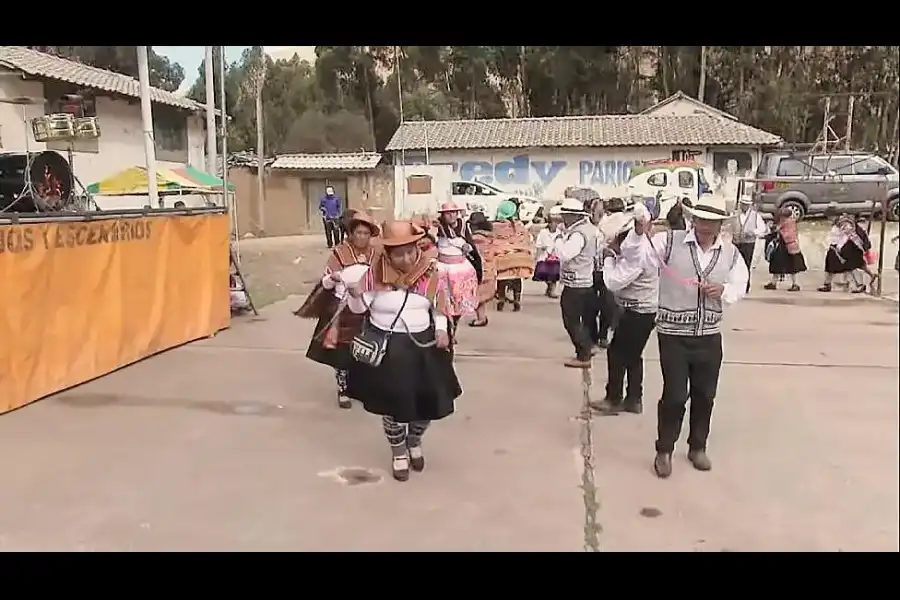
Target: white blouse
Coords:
[(383, 307), (349, 276), (546, 240)]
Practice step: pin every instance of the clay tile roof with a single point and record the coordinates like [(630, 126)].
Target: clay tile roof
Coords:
[(355, 161), (557, 132), (47, 66)]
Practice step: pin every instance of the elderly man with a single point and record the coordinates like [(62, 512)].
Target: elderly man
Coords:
[(701, 275), (577, 251)]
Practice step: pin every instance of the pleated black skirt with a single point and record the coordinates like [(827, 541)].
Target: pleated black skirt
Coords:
[(410, 384)]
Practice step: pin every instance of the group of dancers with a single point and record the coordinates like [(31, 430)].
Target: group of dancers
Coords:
[(391, 299)]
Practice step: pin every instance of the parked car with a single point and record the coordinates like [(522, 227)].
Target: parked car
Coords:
[(808, 184), (480, 196), (660, 184)]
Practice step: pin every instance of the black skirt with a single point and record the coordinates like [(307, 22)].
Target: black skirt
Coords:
[(339, 357), (782, 262), (852, 255), (410, 384)]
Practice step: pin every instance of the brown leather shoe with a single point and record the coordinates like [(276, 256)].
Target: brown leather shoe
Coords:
[(574, 363), (662, 464), (700, 460), (606, 407)]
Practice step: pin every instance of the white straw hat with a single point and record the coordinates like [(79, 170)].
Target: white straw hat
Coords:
[(572, 206), (709, 208)]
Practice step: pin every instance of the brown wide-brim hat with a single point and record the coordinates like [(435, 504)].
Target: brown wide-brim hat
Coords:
[(400, 233), (361, 216)]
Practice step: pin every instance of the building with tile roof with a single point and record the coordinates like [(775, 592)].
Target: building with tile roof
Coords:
[(33, 83), (545, 156)]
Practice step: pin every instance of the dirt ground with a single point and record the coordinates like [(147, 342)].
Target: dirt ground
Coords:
[(281, 266), (236, 443)]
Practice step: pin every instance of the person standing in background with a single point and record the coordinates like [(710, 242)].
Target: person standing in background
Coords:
[(750, 227), (332, 208), (578, 302)]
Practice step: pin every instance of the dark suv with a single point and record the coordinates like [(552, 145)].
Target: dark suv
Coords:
[(808, 184)]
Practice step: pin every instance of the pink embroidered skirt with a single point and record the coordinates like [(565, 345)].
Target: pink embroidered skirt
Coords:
[(462, 284)]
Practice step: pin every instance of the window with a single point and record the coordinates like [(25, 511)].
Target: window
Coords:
[(839, 165), (481, 190), (658, 180), (170, 134), (459, 188), (686, 179), (61, 98), (791, 167), (870, 166)]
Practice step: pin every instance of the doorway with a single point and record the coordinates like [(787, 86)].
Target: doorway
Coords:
[(315, 189)]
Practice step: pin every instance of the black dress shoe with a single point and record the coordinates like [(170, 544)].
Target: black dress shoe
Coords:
[(634, 407), (662, 464), (700, 460)]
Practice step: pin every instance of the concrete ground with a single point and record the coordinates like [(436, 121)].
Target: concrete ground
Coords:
[(235, 443)]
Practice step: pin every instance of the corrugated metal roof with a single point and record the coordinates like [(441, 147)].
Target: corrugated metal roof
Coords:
[(355, 161), (600, 131), (39, 64)]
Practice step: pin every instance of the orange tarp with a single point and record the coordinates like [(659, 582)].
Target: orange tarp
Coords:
[(82, 299)]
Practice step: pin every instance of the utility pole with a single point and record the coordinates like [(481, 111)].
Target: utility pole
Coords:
[(147, 125), (209, 70), (702, 91), (260, 141), (848, 140), (223, 116)]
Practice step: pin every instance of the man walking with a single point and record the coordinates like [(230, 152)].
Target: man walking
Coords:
[(636, 291), (577, 251), (332, 207), (750, 227), (702, 273)]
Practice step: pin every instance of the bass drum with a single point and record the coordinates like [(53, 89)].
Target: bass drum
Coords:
[(51, 182)]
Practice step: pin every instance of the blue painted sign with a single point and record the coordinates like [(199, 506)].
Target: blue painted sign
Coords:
[(522, 173)]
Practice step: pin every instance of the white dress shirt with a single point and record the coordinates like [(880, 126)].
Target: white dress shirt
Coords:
[(384, 305), (568, 248), (752, 221), (635, 249)]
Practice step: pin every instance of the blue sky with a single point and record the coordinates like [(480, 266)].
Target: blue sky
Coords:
[(190, 57)]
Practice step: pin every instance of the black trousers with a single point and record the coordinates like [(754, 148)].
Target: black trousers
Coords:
[(606, 313), (746, 249), (690, 367), (578, 308), (333, 233), (625, 357)]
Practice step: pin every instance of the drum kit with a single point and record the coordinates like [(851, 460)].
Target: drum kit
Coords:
[(44, 181)]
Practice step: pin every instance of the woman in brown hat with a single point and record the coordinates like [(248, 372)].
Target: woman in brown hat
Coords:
[(403, 369), (336, 326)]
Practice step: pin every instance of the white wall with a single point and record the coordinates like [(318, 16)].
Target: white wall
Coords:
[(547, 172), (120, 145)]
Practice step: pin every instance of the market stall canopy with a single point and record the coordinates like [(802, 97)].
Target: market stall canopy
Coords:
[(202, 178), (133, 182)]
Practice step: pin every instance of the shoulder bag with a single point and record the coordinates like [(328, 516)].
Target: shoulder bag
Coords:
[(369, 347)]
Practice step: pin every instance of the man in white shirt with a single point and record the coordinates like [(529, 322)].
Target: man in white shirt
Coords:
[(700, 275), (577, 251), (750, 227)]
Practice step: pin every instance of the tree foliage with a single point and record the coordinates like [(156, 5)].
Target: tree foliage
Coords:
[(349, 98)]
